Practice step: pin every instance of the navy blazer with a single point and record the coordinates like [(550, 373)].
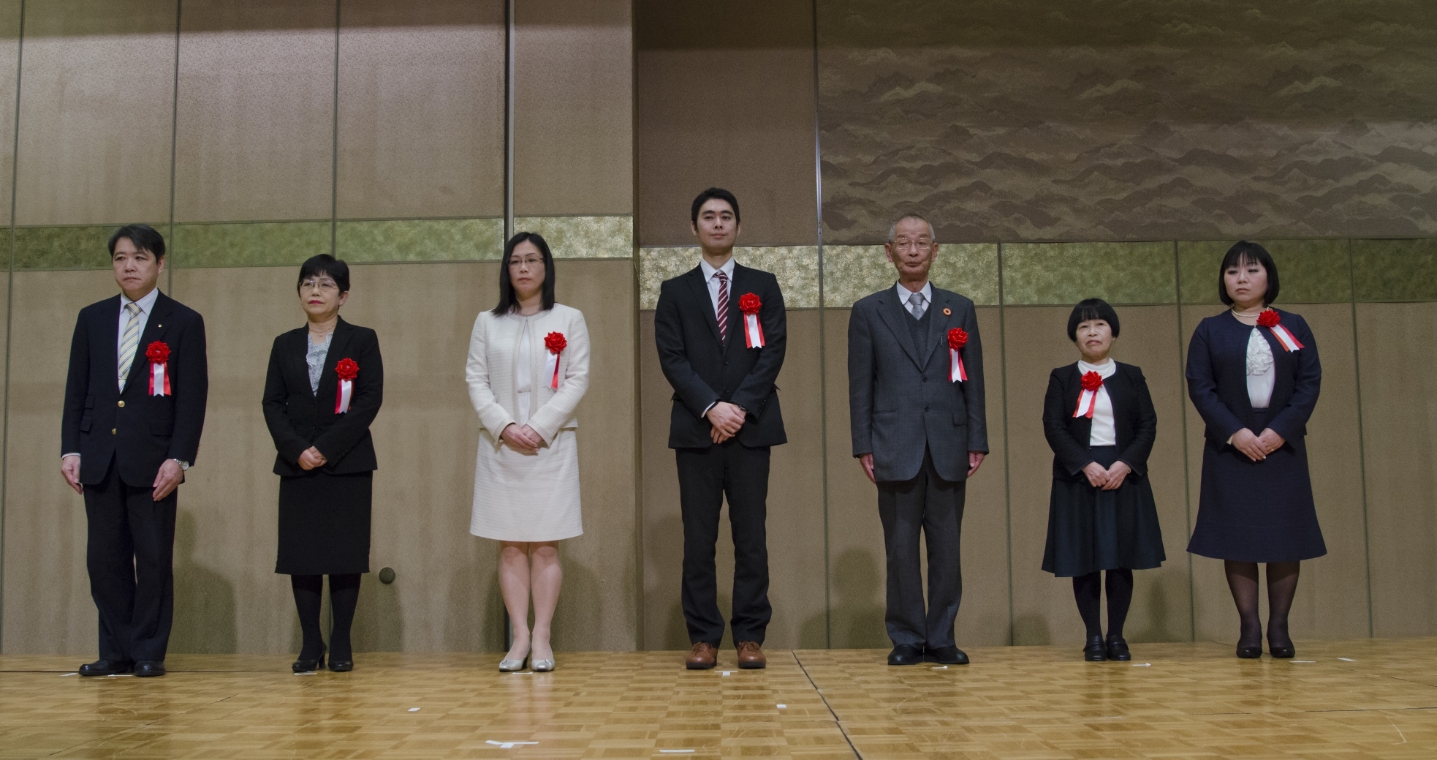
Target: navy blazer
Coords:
[(704, 369), (1217, 378), (299, 418), (136, 430), (1134, 420)]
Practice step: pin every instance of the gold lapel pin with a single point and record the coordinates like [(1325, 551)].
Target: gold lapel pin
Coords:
[(947, 312)]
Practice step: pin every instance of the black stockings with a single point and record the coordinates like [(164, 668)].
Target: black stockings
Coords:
[(1087, 590), (1281, 588), (343, 598)]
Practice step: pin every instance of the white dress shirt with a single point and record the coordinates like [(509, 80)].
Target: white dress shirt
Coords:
[(1261, 370), (147, 305), (1104, 432), (904, 296)]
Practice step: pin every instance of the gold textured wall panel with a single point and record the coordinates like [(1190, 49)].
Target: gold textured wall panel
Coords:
[(255, 131), (573, 107), (96, 105), (421, 109)]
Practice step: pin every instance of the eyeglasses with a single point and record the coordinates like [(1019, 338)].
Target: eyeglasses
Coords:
[(903, 244), (532, 261), (323, 286)]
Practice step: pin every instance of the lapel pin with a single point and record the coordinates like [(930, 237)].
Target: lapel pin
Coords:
[(947, 312)]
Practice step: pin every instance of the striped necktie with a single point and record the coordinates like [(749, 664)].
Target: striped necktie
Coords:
[(130, 342), (721, 312), (915, 305)]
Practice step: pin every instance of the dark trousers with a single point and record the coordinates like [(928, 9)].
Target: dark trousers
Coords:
[(705, 477), (934, 506), (130, 556)]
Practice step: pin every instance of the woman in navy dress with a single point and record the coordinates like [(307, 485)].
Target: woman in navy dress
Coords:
[(1254, 376), (1098, 417)]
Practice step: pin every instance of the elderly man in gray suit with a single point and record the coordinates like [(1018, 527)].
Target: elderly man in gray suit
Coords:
[(915, 397)]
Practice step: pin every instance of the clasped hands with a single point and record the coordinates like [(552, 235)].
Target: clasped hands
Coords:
[(726, 420), (166, 480), (1107, 478), (522, 438), (1257, 447), (311, 458)]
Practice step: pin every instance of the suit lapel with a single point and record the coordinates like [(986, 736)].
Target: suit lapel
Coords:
[(893, 315), (109, 351), (154, 328), (703, 303), (328, 380), (735, 315), (937, 326)]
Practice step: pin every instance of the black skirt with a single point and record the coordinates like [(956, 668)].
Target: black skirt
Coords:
[(1090, 529), (324, 524), (1256, 511)]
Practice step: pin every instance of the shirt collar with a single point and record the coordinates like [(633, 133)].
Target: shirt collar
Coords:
[(1104, 371), (904, 293), (709, 270), (146, 302)]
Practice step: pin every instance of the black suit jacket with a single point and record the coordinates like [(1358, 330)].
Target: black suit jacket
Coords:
[(1134, 421), (702, 369), (298, 418), (1217, 379), (137, 430)]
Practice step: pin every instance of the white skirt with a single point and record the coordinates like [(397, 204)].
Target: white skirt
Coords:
[(527, 497)]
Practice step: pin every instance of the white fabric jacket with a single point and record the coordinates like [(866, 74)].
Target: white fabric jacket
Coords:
[(490, 372)]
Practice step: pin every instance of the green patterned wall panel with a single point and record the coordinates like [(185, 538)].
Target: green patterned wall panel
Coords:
[(81, 247), (795, 266), (851, 272), (1065, 273), (420, 240), (583, 237), (249, 244), (1395, 270), (1312, 271)]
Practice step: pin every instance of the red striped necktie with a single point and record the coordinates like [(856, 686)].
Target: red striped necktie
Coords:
[(722, 310)]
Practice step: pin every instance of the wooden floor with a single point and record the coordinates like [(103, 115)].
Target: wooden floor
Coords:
[(1357, 699)]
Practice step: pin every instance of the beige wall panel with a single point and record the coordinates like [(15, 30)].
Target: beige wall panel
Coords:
[(1399, 426), (573, 107), (726, 98), (9, 72), (795, 504), (256, 111), (47, 590), (1043, 607), (97, 107), (421, 109), (857, 572)]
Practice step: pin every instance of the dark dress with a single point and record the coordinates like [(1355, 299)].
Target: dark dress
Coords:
[(324, 512), (1254, 511), (1090, 529)]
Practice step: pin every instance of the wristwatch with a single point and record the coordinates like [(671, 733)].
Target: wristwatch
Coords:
[(182, 463)]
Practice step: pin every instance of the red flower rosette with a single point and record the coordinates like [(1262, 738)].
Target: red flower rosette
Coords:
[(1088, 399), (159, 355), (1270, 319), (347, 369), (749, 304), (957, 339), (555, 342)]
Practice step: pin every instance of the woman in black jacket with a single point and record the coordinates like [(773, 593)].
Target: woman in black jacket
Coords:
[(324, 388), (1099, 420)]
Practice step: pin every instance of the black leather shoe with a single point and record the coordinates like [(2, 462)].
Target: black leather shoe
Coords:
[(1249, 651), (1281, 651), (149, 668), (1118, 649), (341, 666), (1095, 651), (308, 666), (945, 656), (904, 654), (106, 668)]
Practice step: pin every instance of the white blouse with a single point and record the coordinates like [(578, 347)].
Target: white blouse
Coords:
[(1261, 371), (1104, 432), (523, 373)]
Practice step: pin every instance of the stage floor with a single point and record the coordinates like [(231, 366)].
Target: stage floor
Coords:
[(1349, 699)]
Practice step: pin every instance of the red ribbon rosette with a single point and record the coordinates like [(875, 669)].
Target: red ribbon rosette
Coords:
[(555, 343), (159, 355), (749, 304), (347, 369), (1270, 319), (1088, 399), (957, 339)]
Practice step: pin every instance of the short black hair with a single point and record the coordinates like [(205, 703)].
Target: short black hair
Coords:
[(1243, 252), (507, 301), (315, 266), (1091, 308), (710, 194), (143, 236)]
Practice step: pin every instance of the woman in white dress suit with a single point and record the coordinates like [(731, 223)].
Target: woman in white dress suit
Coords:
[(528, 368)]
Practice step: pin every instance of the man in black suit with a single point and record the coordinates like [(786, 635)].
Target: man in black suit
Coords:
[(720, 330), (919, 430), (134, 408)]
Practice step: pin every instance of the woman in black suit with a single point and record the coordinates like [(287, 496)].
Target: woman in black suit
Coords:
[(1254, 376), (1099, 420), (323, 390)]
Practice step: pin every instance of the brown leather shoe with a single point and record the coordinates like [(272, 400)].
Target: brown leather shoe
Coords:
[(702, 657), (750, 656)]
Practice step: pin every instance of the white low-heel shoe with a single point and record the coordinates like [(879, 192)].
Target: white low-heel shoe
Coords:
[(543, 666), (512, 666)]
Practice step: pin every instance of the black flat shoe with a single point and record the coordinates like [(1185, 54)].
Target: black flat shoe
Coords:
[(1118, 649), (341, 666), (1095, 651), (904, 654), (1249, 651), (149, 668), (945, 655), (106, 668)]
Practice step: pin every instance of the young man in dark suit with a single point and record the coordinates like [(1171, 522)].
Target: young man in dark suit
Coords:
[(134, 408), (919, 431), (720, 330)]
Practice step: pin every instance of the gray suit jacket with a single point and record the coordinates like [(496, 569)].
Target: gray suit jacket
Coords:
[(899, 396)]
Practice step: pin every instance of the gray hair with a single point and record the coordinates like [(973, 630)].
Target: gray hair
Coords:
[(893, 229)]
